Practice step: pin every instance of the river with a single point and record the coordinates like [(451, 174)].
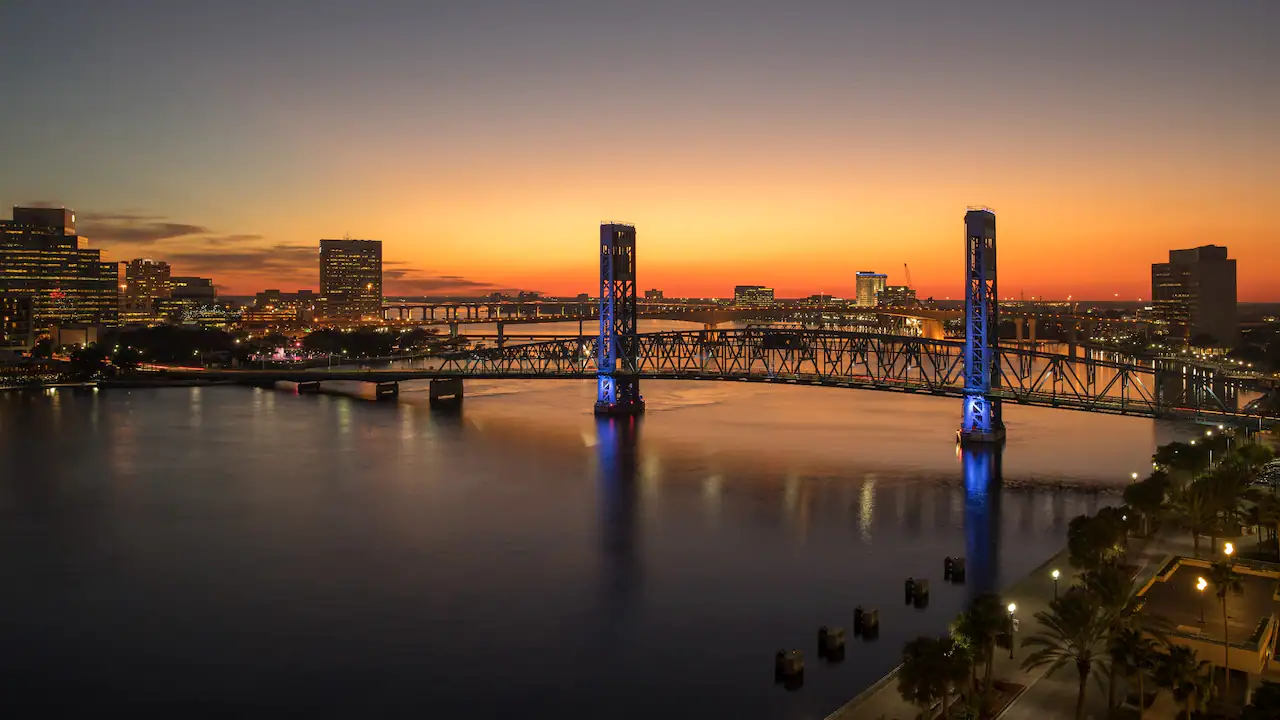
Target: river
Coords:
[(229, 551)]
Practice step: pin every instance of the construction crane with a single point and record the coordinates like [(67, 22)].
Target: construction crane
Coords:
[(907, 271)]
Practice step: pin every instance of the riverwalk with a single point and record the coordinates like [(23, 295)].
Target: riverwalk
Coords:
[(1044, 695)]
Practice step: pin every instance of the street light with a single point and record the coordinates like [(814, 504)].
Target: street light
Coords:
[(1227, 549), (1055, 584), (1012, 607), (1201, 585), (1133, 476)]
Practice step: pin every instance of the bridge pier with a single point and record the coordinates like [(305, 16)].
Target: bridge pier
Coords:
[(446, 391), (386, 391), (453, 328), (501, 337)]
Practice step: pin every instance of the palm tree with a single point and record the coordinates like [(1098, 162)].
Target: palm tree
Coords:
[(1075, 629), (923, 676), (958, 663), (1134, 653), (980, 624), (1110, 586), (1225, 580), (1190, 680), (1269, 514), (1194, 508)]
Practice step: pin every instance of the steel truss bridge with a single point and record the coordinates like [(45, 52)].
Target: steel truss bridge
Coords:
[(1092, 382)]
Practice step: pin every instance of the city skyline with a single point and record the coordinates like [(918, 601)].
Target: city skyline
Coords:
[(763, 145)]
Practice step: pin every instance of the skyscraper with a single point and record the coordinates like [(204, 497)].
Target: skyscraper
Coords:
[(351, 280), (868, 286), (63, 280), (1194, 294), (144, 282)]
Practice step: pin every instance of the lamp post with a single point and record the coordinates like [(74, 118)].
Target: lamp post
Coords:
[(1055, 574), (1133, 477), (1201, 584), (1012, 607)]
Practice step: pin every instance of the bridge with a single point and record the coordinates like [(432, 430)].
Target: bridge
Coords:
[(978, 370), (1090, 382)]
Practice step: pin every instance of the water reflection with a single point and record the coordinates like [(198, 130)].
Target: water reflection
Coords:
[(982, 490), (617, 444)]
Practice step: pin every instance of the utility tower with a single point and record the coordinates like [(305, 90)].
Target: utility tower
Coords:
[(982, 421), (617, 360)]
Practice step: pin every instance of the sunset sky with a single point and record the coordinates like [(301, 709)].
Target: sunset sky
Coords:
[(781, 143)]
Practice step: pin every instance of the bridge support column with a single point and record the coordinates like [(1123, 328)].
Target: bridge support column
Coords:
[(446, 391), (386, 391), (501, 337), (453, 328), (982, 420), (617, 359)]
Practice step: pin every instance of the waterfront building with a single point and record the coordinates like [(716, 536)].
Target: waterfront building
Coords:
[(752, 295), (653, 295), (273, 308), (1194, 295), (868, 286), (54, 269), (897, 296), (350, 280)]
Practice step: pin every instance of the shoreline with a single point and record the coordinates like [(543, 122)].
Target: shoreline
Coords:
[(850, 709)]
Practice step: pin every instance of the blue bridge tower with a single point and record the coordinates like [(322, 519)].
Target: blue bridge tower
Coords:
[(982, 421), (618, 356)]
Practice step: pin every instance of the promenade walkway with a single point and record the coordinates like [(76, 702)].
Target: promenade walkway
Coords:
[(1045, 696)]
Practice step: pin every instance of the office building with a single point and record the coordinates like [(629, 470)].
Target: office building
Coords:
[(868, 286), (192, 288), (44, 261), (653, 295), (1194, 296), (752, 295), (897, 296), (350, 280), (143, 282)]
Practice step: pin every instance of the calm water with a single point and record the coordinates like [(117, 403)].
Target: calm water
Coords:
[(223, 550)]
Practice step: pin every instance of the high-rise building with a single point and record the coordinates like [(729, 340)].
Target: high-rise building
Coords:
[(144, 281), (897, 296), (868, 286), (43, 260), (350, 280), (752, 295), (1194, 295), (193, 288)]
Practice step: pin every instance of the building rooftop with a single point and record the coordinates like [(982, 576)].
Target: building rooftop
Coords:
[(1177, 600)]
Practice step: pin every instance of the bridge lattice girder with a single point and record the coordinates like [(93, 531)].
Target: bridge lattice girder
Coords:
[(875, 361)]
